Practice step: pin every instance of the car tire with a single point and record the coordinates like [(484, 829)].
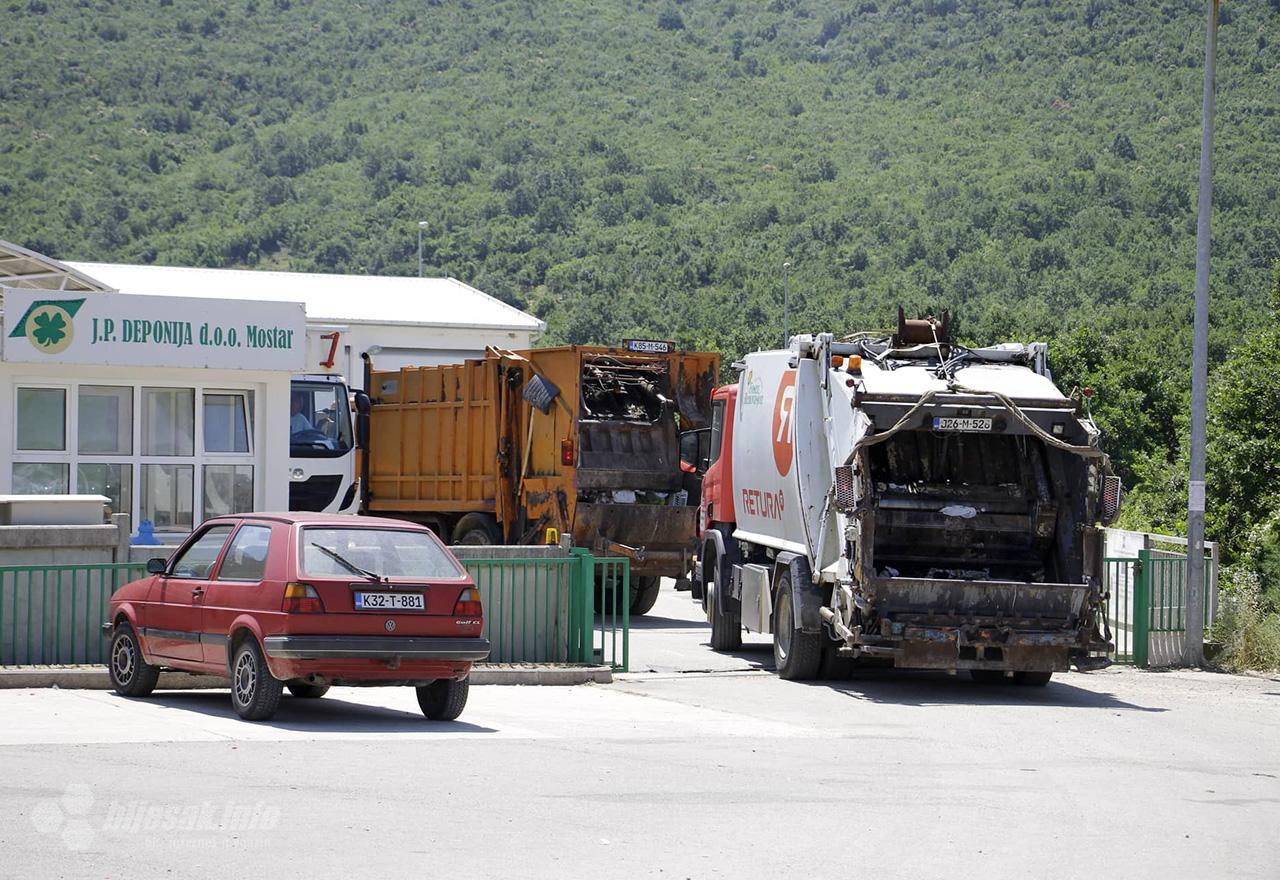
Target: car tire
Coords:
[(726, 625), (308, 691), (444, 699), (255, 692), (1033, 679), (476, 529), (131, 676), (644, 594), (797, 655)]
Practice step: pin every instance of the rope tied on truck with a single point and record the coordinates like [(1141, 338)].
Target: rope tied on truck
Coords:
[(1090, 451)]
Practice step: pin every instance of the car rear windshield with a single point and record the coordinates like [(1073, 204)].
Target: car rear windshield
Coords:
[(391, 553)]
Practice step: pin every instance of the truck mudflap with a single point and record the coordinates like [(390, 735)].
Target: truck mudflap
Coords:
[(930, 623), (656, 537)]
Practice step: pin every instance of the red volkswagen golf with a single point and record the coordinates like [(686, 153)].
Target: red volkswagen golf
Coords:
[(304, 602)]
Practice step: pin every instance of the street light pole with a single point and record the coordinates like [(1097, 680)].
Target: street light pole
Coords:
[(786, 303), (422, 225), (1193, 652)]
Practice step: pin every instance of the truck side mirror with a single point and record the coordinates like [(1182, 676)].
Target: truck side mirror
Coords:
[(694, 450), (363, 407)]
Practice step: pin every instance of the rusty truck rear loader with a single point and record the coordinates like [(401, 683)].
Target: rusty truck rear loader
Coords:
[(578, 441), (912, 500)]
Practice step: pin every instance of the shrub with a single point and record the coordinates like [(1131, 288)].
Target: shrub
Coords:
[(1248, 633)]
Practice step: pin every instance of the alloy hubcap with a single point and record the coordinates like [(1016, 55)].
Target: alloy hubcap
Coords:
[(246, 678), (122, 659)]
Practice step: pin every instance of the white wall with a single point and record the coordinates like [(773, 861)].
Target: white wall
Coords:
[(395, 345)]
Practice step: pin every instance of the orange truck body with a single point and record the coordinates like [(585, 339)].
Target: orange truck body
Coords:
[(459, 444)]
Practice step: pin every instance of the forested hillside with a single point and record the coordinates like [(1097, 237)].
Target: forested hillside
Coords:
[(628, 167)]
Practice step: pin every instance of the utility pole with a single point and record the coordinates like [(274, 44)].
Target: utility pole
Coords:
[(786, 303), (1193, 653), (422, 225)]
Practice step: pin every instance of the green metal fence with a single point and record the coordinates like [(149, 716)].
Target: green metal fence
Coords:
[(555, 609), (51, 613), (1147, 605), (609, 640)]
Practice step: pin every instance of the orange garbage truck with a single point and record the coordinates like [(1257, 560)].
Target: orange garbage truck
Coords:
[(526, 447)]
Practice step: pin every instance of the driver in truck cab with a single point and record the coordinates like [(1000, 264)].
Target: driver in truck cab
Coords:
[(298, 422)]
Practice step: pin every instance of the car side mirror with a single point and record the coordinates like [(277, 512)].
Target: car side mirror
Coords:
[(157, 565)]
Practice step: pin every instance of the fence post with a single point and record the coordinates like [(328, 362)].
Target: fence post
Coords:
[(1142, 609), (582, 598)]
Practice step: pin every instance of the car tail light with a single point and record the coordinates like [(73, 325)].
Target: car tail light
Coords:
[(468, 604), (566, 453), (301, 599)]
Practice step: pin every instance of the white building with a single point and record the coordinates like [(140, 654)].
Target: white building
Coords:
[(399, 321), (168, 389)]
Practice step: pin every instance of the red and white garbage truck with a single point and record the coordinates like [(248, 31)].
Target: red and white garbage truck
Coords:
[(909, 499)]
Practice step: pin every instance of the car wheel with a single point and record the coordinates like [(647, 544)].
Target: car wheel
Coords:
[(308, 691), (726, 625), (644, 595), (255, 693), (1033, 679), (443, 700), (797, 655), (131, 676)]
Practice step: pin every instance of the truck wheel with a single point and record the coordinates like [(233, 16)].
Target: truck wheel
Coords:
[(726, 626), (1033, 679), (834, 667), (989, 676), (644, 593), (797, 655), (476, 528)]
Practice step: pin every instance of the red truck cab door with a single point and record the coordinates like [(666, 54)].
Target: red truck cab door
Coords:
[(717, 482)]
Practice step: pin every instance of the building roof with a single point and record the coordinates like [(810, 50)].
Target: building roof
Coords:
[(23, 268), (338, 299)]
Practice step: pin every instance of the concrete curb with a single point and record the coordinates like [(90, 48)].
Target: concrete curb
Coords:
[(543, 675), (95, 677)]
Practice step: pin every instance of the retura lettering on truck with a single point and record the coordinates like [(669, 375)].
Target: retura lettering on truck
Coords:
[(908, 500)]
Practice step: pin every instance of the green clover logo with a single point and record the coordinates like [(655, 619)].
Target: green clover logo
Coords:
[(50, 328)]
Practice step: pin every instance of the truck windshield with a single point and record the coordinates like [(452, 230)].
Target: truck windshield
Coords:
[(379, 553), (319, 420)]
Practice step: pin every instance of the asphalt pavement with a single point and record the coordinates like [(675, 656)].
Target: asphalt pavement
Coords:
[(707, 766)]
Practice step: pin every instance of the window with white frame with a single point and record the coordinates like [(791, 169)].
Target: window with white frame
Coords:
[(149, 448)]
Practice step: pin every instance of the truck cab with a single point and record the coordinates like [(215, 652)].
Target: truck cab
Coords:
[(322, 446)]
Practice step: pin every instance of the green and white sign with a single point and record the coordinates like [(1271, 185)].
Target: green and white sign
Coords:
[(49, 326)]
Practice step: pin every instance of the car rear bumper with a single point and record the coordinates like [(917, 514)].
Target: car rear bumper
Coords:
[(375, 648)]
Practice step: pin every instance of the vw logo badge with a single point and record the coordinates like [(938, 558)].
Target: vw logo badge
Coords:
[(391, 626)]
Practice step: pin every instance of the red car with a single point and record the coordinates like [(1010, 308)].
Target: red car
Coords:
[(304, 602)]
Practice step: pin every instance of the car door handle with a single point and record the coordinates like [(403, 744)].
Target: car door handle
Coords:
[(197, 592)]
